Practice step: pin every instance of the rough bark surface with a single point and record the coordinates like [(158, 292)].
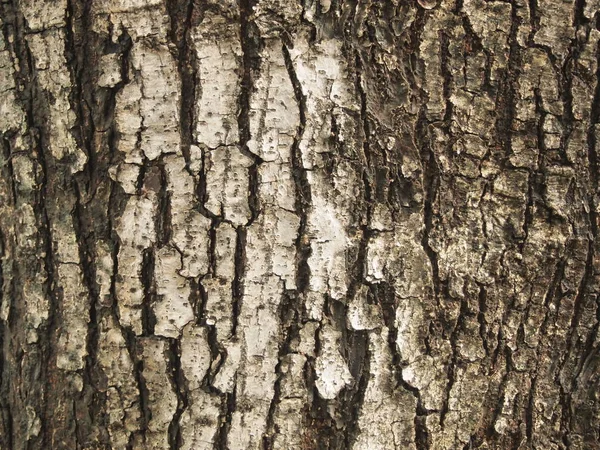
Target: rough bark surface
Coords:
[(281, 224)]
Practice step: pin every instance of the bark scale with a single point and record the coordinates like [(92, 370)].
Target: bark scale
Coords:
[(336, 224)]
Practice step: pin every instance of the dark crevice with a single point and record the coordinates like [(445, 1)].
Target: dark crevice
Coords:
[(320, 432), (454, 360), (578, 306), (499, 399), (179, 386), (10, 175), (198, 299), (218, 354), (551, 294), (529, 410), (163, 218), (290, 322), (6, 420), (251, 47), (84, 235), (386, 297), (227, 410), (303, 190), (80, 56), (592, 152), (149, 298), (431, 184), (481, 318), (212, 247), (507, 93), (566, 392), (183, 16), (49, 178), (237, 286), (135, 350), (357, 343)]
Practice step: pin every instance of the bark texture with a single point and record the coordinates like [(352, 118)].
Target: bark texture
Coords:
[(281, 224)]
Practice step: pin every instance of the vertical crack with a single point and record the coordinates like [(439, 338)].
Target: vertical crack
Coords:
[(182, 14), (386, 297), (227, 409), (251, 44), (10, 176), (290, 321), (149, 298), (6, 438), (431, 183), (591, 141), (163, 218), (237, 286), (453, 365), (482, 301), (135, 350), (299, 173), (37, 120), (179, 386)]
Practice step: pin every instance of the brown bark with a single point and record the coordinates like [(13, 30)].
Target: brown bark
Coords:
[(281, 224)]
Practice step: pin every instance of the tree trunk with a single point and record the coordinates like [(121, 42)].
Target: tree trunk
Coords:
[(275, 224)]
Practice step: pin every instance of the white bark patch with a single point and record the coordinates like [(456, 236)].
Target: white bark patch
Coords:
[(12, 116), (465, 405), (122, 406), (199, 422), (190, 228), (387, 411), (398, 257), (195, 355), (115, 6), (428, 374), (162, 401), (362, 315), (159, 105), (225, 251), (227, 184), (128, 121), (330, 367), (218, 310), (326, 228), (172, 308), (430, 56), (53, 76), (277, 187), (555, 26), (271, 247), (65, 240), (219, 306), (110, 70), (75, 317), (37, 307), (126, 175), (491, 22), (409, 317), (325, 83), (259, 329), (137, 233), (41, 15), (224, 380), (293, 398), (274, 115), (219, 53)]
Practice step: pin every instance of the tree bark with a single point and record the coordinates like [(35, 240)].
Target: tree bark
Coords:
[(281, 224)]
